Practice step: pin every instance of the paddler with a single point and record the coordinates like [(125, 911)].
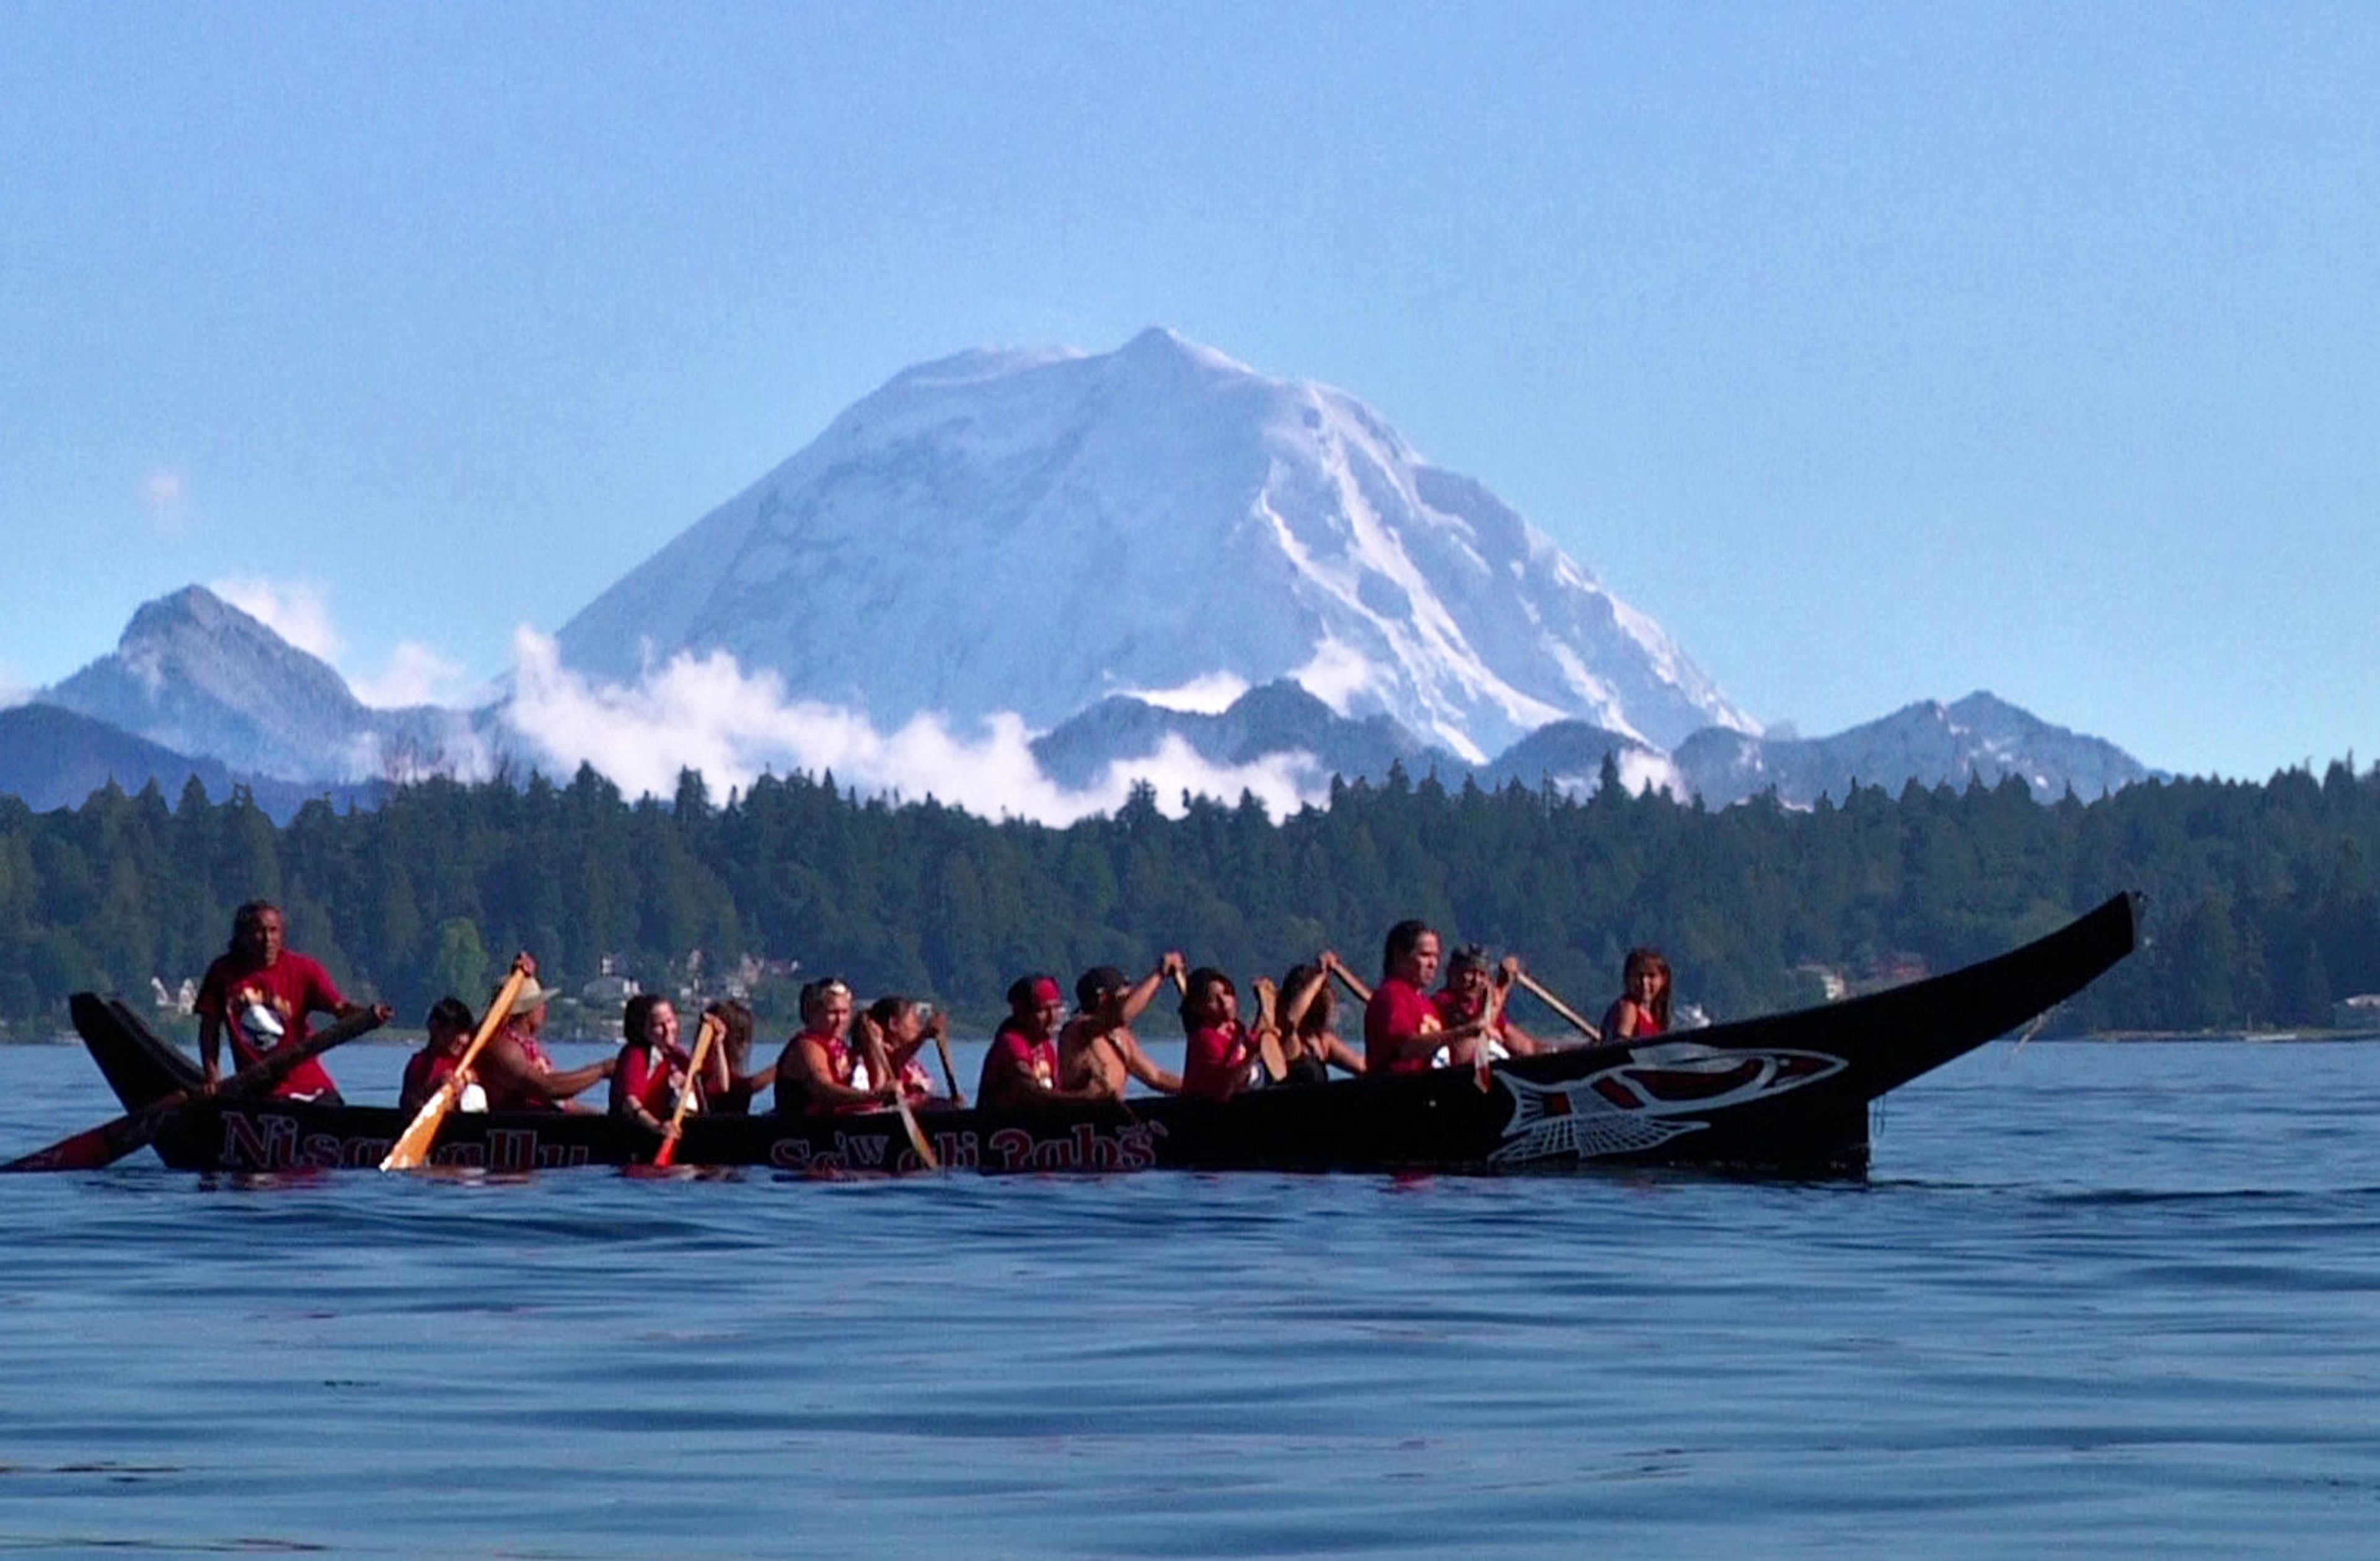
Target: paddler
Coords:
[(1471, 980), (814, 1074), (1220, 1054), (261, 992), (449, 1025), (903, 1026), (1643, 1007), (653, 1069), (1021, 1069), (513, 1067), (1097, 1050), (1402, 1028)]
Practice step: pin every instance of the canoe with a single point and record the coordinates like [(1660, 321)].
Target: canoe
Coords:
[(1785, 1094)]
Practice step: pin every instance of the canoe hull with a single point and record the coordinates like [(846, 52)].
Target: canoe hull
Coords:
[(1785, 1094)]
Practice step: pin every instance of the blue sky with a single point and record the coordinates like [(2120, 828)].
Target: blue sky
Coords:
[(1880, 353)]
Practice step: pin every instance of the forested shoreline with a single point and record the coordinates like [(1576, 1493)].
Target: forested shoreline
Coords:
[(2263, 898)]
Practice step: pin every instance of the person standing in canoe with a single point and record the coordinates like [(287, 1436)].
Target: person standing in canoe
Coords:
[(1021, 1069), (1643, 1007), (1220, 1054), (1097, 1050), (1308, 1044), (261, 993), (1471, 980), (653, 1069), (513, 1067), (1402, 1028), (814, 1074)]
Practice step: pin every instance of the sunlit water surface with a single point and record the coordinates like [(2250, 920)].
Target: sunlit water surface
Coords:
[(2108, 1300)]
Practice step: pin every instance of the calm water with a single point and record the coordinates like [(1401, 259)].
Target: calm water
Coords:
[(2107, 1299)]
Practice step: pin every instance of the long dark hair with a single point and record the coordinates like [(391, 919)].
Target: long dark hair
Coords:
[(1403, 938), (1193, 993), (633, 1017), (734, 1030), (1316, 1020), (1650, 959)]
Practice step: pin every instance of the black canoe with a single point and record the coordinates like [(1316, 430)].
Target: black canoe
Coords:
[(1785, 1094)]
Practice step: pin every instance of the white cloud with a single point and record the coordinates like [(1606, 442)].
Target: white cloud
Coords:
[(1337, 674), (707, 713), (1210, 695), (12, 693), (165, 495), (414, 674), (295, 610)]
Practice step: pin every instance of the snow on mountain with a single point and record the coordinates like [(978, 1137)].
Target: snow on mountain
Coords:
[(1033, 533), (1929, 742), (199, 676)]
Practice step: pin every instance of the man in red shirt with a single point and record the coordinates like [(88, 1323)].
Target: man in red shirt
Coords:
[(261, 992), (1021, 1069)]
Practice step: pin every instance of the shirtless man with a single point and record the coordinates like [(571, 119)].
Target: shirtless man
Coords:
[(513, 1068), (1097, 1050)]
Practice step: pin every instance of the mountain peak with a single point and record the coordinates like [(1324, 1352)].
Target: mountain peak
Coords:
[(1029, 532)]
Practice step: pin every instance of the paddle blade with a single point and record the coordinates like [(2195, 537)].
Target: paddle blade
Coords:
[(412, 1146), (91, 1150)]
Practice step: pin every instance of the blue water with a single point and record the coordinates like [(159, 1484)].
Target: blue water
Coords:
[(2097, 1299)]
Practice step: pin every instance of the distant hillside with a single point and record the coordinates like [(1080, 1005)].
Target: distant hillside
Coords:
[(54, 758)]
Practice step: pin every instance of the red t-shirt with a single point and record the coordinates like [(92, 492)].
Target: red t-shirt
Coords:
[(1398, 1009), (1215, 1062), (651, 1076), (424, 1072), (1015, 1058), (292, 987), (1453, 1011)]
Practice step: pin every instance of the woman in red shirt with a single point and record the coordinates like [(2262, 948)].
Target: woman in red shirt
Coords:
[(1643, 1005), (1402, 1028), (653, 1069), (1221, 1058)]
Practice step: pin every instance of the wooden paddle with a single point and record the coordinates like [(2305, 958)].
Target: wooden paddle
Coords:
[(110, 1141), (703, 1038), (1275, 1067), (412, 1146), (1362, 994), (880, 1071), (1555, 1003), (942, 1044)]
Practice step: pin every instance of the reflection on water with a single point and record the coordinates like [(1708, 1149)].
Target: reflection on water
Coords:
[(2097, 1299)]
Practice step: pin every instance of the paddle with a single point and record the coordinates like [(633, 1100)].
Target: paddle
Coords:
[(1268, 1032), (1362, 994), (1555, 1003), (942, 1044), (880, 1071), (110, 1141), (703, 1038), (412, 1146)]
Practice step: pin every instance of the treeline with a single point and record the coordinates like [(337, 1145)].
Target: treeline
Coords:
[(2264, 899)]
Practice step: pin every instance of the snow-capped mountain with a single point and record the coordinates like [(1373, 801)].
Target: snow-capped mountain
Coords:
[(1929, 742), (1036, 531), (199, 676)]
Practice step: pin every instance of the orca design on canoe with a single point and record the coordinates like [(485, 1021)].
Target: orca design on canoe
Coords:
[(1784, 1094)]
